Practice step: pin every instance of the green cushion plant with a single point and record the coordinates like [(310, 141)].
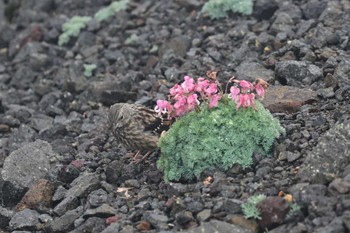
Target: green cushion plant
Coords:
[(219, 8), (249, 208), (216, 136)]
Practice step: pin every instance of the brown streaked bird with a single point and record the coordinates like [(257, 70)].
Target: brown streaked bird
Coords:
[(136, 127)]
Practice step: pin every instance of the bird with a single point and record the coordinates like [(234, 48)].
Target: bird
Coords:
[(136, 127)]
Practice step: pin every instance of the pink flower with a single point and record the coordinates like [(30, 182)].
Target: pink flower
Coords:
[(214, 100), (176, 91), (192, 101), (202, 84), (260, 91), (180, 106), (252, 99), (246, 86), (162, 107), (245, 100), (211, 89), (188, 85), (234, 91)]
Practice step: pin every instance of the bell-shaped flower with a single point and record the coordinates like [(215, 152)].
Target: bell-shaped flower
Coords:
[(246, 86), (163, 107), (260, 91), (202, 84), (188, 85), (234, 92), (214, 100), (192, 101)]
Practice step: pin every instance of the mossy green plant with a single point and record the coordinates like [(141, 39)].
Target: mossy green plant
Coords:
[(249, 208), (109, 11), (294, 210), (219, 8), (216, 138), (89, 69), (72, 28)]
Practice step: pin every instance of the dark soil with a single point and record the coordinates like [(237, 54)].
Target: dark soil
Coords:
[(62, 171)]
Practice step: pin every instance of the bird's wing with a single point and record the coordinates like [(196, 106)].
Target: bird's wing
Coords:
[(151, 121)]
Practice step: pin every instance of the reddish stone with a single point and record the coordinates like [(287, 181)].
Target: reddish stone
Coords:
[(38, 196), (287, 99), (273, 211), (112, 219)]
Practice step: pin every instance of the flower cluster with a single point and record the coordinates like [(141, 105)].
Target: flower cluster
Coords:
[(184, 97), (244, 92)]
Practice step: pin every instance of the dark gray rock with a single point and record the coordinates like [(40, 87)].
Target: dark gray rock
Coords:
[(85, 40), (92, 225), (143, 194), (326, 93), (113, 228), (39, 62), (262, 171), (69, 203), (67, 174), (5, 217), (72, 122), (132, 183), (83, 185), (178, 188), (194, 206), (24, 220), (53, 132), (26, 50), (50, 103), (313, 9), (321, 166), (342, 72), (232, 206), (97, 198), (22, 136), (305, 26), (75, 81), (217, 226), (114, 55), (346, 219), (40, 122), (10, 121), (59, 194), (292, 156), (157, 218), (335, 226), (297, 73), (204, 215), (44, 218), (283, 23), (339, 186), (178, 45), (11, 193), (321, 36), (25, 166), (64, 223), (103, 211), (117, 172), (250, 71), (185, 219), (21, 113), (303, 192), (330, 15), (264, 9)]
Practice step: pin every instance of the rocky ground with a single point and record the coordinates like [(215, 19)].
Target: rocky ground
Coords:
[(62, 172)]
